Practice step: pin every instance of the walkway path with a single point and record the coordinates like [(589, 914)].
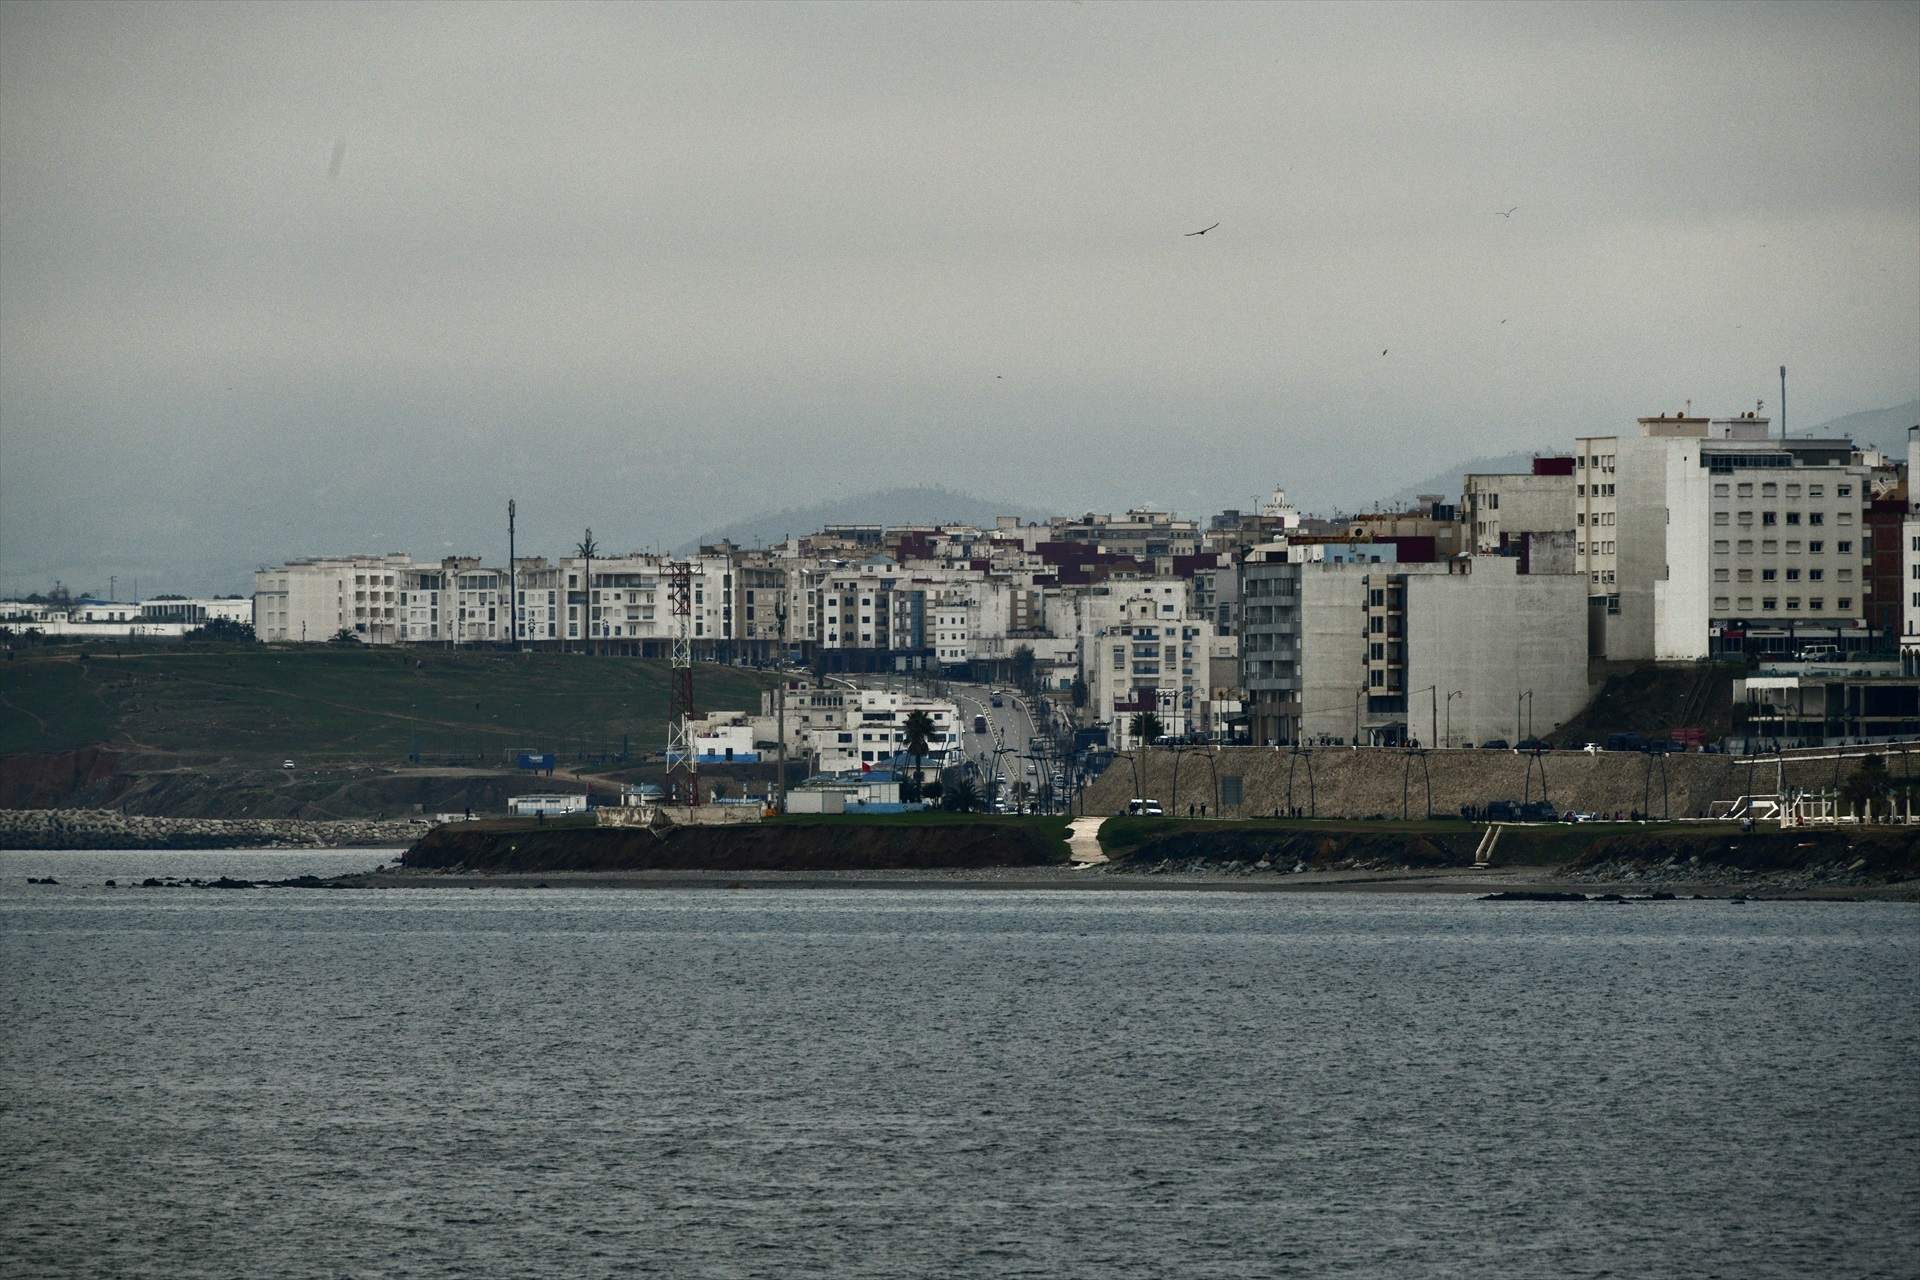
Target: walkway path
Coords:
[(1083, 842)]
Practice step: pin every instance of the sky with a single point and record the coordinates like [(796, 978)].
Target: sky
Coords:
[(284, 279)]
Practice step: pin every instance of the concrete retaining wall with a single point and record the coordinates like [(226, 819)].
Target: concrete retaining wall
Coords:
[(1367, 783)]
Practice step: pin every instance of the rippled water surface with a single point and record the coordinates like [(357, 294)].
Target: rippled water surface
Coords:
[(955, 1083)]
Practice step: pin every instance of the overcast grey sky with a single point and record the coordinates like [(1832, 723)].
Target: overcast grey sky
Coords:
[(285, 279)]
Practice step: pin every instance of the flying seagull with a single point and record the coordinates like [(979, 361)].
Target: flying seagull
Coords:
[(1202, 231), (1506, 213), (1383, 351)]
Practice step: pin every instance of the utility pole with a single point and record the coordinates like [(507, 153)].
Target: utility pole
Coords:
[(113, 589), (1783, 402), (513, 587), (780, 718)]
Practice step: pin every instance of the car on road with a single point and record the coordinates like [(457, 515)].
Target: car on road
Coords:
[(1145, 808), (979, 724), (1494, 744), (996, 700), (1532, 744), (286, 764)]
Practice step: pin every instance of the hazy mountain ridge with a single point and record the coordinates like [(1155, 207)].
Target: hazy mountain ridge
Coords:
[(921, 504), (1885, 429)]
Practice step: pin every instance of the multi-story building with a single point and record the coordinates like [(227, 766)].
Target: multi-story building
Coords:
[(1705, 535), (1147, 658), (871, 733), (1499, 508), (316, 599), (1358, 647), (1910, 560)]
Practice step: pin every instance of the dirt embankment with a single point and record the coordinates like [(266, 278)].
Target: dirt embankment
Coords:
[(157, 785), (50, 780), (770, 847)]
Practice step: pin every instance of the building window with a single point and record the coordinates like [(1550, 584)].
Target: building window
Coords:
[(1846, 604), (1769, 517), (1720, 575), (1815, 548), (1768, 575), (1793, 517), (1816, 604), (1816, 517), (1721, 546), (1769, 604), (1793, 603), (1720, 604)]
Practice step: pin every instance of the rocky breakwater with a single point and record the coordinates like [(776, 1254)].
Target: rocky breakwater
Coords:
[(106, 829), (1757, 862)]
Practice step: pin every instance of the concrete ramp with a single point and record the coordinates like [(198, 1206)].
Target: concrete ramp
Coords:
[(1083, 842)]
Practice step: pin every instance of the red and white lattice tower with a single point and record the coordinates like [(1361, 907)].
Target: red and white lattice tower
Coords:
[(683, 765)]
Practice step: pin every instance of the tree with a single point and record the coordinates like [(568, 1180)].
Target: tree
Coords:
[(960, 796), (588, 548), (1147, 727), (344, 635), (1022, 664), (224, 629), (1079, 694), (918, 728), (1867, 785)]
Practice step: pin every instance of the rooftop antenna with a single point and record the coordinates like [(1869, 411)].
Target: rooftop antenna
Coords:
[(1783, 402)]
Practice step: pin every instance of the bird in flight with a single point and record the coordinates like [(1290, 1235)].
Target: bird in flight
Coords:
[(1506, 213), (1504, 321), (1202, 231), (1383, 351)]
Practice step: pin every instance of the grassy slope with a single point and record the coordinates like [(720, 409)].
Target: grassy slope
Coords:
[(348, 703)]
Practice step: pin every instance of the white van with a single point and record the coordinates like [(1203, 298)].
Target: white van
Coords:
[(1139, 808)]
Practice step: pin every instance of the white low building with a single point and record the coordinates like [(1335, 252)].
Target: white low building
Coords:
[(550, 806)]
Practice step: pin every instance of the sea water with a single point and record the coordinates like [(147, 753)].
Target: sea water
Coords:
[(778, 1083)]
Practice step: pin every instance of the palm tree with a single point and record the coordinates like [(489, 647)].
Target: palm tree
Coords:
[(588, 548), (959, 796), (1147, 727), (918, 729)]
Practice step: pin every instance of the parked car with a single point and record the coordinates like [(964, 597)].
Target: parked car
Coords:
[(286, 764), (1626, 742), (979, 724), (1145, 808), (1532, 744), (1494, 744)]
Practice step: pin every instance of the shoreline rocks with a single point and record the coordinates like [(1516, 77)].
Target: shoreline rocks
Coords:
[(107, 829)]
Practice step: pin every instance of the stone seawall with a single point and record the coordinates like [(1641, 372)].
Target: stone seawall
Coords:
[(1368, 783), (106, 829)]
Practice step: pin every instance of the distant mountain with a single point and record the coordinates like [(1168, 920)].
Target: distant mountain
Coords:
[(1448, 483), (1886, 429), (914, 505)]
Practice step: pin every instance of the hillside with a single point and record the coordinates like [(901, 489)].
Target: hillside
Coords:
[(321, 703), (1884, 428), (916, 505)]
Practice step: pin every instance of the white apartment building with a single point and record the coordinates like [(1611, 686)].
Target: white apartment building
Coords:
[(1910, 561), (312, 600), (871, 731), (1144, 658), (1788, 538)]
